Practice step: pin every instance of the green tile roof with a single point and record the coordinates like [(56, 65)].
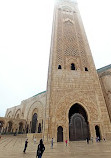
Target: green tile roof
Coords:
[(39, 93), (104, 68)]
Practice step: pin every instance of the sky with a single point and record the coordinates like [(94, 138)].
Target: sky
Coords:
[(25, 37)]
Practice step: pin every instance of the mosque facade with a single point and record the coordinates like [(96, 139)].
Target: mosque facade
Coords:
[(77, 102)]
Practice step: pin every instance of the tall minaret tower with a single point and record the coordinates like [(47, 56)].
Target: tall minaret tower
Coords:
[(75, 106)]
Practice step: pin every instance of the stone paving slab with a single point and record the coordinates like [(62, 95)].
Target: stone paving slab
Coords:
[(12, 147)]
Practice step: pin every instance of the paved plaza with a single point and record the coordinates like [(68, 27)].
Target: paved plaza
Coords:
[(12, 147)]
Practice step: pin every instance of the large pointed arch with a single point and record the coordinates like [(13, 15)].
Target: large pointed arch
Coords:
[(78, 108), (36, 105), (78, 123)]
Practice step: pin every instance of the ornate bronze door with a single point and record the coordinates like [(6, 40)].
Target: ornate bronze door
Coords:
[(78, 128)]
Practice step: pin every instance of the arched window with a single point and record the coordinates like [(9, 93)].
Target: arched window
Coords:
[(73, 66), (59, 67), (86, 69), (17, 116)]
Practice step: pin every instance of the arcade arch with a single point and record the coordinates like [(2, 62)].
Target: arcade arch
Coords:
[(35, 117)]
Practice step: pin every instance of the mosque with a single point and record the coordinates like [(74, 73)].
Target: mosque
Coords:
[(77, 102)]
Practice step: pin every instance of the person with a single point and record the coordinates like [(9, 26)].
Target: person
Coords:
[(40, 149), (98, 139), (104, 139), (34, 140), (26, 143), (66, 142), (15, 134), (52, 143), (87, 139), (92, 139)]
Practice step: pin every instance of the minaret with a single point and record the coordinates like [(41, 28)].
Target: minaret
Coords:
[(75, 106)]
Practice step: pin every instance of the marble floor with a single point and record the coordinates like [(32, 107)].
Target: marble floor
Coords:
[(12, 147)]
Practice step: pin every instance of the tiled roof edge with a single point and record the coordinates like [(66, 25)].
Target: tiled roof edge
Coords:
[(39, 93), (104, 68)]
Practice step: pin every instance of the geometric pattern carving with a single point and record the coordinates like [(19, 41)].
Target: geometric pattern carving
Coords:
[(81, 43), (59, 41), (85, 101), (69, 37)]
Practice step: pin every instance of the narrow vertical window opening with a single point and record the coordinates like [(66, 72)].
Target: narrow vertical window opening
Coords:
[(86, 69), (73, 66), (59, 67)]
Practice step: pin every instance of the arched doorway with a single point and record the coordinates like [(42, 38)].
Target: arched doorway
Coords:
[(78, 123), (20, 127), (9, 126), (39, 128), (1, 126), (27, 129), (60, 134), (34, 123), (97, 129)]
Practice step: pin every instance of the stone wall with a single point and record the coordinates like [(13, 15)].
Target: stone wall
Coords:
[(26, 110), (72, 77), (105, 80)]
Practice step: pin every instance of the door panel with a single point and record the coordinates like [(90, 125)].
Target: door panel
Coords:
[(78, 128)]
